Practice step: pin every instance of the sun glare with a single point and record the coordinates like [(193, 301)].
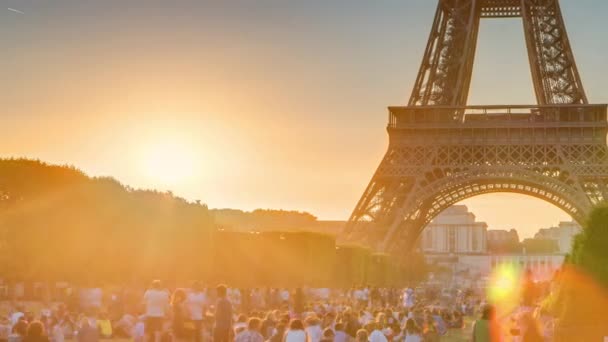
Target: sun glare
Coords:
[(169, 163)]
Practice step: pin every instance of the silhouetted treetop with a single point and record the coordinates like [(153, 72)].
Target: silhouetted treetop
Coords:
[(263, 219), (59, 223)]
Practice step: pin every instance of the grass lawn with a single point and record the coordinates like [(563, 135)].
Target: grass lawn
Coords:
[(462, 335)]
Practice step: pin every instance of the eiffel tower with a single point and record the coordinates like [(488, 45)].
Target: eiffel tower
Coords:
[(442, 151)]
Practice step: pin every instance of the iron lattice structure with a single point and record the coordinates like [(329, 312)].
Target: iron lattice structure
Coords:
[(442, 151)]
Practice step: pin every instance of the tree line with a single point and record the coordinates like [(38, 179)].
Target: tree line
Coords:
[(58, 224)]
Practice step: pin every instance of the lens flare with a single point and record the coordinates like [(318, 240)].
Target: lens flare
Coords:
[(503, 289)]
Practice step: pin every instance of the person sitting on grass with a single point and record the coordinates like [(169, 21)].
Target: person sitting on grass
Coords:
[(35, 333), (252, 333), (104, 325)]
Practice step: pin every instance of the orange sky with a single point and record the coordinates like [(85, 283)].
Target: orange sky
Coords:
[(274, 105)]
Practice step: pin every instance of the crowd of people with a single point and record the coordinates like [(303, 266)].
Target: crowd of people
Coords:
[(224, 314)]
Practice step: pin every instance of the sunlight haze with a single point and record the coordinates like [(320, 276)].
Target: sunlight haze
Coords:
[(250, 104)]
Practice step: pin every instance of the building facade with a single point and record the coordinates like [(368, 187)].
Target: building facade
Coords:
[(542, 266), (563, 235), (455, 231), (480, 266), (465, 247)]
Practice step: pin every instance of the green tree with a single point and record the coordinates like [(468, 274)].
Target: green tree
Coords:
[(540, 246), (590, 248), (581, 302)]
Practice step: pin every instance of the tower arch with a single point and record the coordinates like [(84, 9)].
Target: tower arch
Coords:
[(430, 201)]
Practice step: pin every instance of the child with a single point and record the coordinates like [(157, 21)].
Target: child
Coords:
[(138, 330)]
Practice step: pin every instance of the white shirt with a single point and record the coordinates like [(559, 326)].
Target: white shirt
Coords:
[(138, 331), (15, 317), (156, 302), (409, 302), (366, 318), (341, 336), (377, 336), (195, 302), (295, 336), (285, 295), (365, 294), (127, 322), (315, 333), (95, 297), (57, 333), (413, 338), (236, 296)]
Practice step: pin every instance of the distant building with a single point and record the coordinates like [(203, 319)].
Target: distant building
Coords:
[(503, 242), (456, 242), (563, 235), (542, 266), (503, 236), (455, 231), (479, 266)]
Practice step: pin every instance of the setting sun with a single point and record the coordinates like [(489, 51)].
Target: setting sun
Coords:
[(169, 163)]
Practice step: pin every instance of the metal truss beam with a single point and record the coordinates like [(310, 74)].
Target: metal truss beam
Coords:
[(555, 153), (554, 72)]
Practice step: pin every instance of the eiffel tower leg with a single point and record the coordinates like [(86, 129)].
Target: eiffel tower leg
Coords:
[(554, 72), (445, 74), (388, 191)]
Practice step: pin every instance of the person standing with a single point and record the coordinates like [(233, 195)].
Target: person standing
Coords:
[(362, 336), (412, 332), (157, 302), (178, 322), (529, 290), (313, 329), (284, 294), (223, 316), (340, 335), (196, 302), (296, 332), (486, 329), (376, 335), (57, 330), (16, 315), (375, 297)]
